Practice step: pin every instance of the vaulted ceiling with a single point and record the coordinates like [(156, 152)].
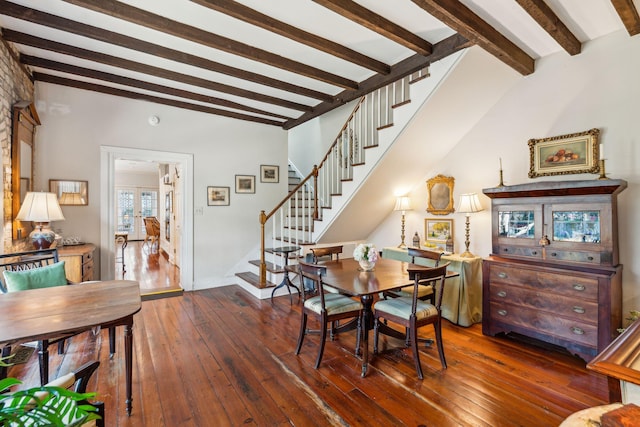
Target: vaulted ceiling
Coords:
[(283, 62)]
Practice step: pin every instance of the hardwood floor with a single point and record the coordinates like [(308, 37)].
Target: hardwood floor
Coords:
[(148, 266), (220, 357)]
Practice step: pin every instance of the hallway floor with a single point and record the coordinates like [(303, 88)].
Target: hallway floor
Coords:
[(150, 267)]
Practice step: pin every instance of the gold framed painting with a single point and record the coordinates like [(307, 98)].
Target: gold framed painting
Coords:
[(565, 154), (436, 232), (440, 192)]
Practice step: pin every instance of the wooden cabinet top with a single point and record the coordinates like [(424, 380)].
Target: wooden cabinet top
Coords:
[(76, 249), (557, 188)]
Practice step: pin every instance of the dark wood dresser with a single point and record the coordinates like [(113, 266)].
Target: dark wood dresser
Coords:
[(554, 274)]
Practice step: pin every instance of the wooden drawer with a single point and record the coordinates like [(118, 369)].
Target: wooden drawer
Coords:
[(542, 322), (573, 308), (574, 256), (87, 271), (564, 283), (519, 251)]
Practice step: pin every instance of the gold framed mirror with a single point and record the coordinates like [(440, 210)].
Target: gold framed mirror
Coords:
[(440, 191), (25, 120)]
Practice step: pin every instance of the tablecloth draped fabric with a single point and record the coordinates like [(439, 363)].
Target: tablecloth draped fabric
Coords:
[(462, 300)]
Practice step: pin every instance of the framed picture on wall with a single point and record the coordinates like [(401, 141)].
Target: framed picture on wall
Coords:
[(218, 196), (269, 173), (436, 232), (245, 184), (564, 154)]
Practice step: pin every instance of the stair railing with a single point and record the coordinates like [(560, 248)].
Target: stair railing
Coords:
[(292, 220)]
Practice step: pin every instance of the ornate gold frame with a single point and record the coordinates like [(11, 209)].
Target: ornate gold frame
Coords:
[(440, 191), (545, 159)]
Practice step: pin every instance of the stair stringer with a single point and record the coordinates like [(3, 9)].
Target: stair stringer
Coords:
[(402, 116)]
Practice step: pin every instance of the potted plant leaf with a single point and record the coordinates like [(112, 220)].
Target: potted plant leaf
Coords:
[(43, 406)]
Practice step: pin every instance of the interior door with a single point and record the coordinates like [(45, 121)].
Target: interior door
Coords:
[(132, 205)]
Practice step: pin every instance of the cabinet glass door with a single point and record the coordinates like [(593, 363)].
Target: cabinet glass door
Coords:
[(519, 224), (576, 226)]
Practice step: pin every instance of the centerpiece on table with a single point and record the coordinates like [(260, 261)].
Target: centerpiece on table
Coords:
[(366, 255)]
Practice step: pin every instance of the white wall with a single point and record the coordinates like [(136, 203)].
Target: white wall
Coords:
[(76, 123), (598, 88)]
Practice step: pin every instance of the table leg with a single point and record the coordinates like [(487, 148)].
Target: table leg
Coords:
[(285, 282), (43, 359), (112, 341), (128, 354)]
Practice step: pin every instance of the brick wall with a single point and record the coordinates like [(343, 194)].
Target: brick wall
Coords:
[(15, 85)]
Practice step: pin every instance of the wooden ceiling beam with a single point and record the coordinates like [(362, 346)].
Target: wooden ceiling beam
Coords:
[(138, 16), (63, 24), (629, 14), (408, 66), (48, 78), (253, 17), (552, 24), (461, 19), (26, 39), (139, 84), (363, 16)]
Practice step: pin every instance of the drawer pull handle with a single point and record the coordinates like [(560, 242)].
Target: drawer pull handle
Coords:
[(534, 253), (578, 309), (554, 254), (577, 331), (502, 275), (590, 258), (502, 312), (502, 294), (505, 249), (579, 287)]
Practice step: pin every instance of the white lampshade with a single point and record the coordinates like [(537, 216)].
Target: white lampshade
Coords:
[(403, 203), (469, 203), (40, 207)]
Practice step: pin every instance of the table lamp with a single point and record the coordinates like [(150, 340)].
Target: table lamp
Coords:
[(403, 203), (469, 203), (41, 208)]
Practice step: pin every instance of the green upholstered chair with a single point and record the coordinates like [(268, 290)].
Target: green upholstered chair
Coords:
[(326, 307), (413, 313), (425, 289)]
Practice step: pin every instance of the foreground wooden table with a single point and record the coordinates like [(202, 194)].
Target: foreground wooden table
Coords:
[(42, 314)]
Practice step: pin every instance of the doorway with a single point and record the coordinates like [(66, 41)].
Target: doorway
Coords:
[(184, 162)]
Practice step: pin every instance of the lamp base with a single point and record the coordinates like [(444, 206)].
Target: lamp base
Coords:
[(467, 254), (42, 237)]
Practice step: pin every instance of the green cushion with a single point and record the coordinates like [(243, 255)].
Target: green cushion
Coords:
[(35, 278), (407, 291), (401, 307), (334, 303)]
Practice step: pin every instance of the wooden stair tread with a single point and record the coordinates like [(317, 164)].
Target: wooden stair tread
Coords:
[(271, 267), (254, 280)]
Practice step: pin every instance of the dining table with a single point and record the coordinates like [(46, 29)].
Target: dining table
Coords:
[(348, 278), (47, 313)]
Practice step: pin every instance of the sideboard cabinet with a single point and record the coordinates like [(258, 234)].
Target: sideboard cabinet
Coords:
[(78, 262), (553, 273)]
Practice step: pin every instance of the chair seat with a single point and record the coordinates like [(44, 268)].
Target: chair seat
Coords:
[(335, 304), (407, 291), (401, 307)]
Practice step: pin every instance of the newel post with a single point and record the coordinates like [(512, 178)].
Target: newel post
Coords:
[(263, 264)]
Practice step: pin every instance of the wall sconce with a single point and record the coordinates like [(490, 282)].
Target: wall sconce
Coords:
[(469, 203), (403, 203), (41, 208)]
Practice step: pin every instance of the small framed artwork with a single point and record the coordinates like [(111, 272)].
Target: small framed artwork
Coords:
[(245, 184), (436, 232), (565, 154), (218, 196), (440, 191), (269, 173)]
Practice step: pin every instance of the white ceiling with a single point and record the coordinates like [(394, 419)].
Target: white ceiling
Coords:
[(586, 19)]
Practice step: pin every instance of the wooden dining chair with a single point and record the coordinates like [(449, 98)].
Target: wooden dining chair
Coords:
[(413, 313), (152, 230), (425, 289), (326, 308), (326, 251)]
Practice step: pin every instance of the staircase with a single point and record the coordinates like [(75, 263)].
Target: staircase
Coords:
[(315, 201)]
